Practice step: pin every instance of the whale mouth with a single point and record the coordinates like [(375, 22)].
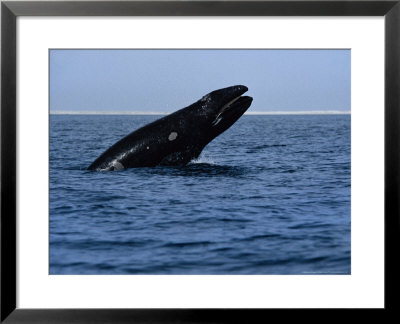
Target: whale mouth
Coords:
[(233, 109), (226, 106)]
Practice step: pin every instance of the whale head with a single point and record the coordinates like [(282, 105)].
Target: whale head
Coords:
[(221, 108)]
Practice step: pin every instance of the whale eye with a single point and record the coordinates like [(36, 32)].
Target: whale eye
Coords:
[(173, 136)]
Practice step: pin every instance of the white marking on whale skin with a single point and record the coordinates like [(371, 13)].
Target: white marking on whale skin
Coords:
[(117, 166), (123, 155), (173, 136), (147, 147)]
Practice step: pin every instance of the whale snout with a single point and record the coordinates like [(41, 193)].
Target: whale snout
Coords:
[(228, 94)]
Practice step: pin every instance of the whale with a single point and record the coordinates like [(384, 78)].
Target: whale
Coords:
[(180, 137)]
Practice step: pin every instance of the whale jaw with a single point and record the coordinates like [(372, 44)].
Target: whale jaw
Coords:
[(233, 111), (231, 106)]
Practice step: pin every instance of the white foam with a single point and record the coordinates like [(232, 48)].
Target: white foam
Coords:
[(203, 159)]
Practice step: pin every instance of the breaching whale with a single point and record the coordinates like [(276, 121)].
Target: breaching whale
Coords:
[(178, 138)]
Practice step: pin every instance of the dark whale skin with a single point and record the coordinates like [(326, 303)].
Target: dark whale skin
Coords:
[(177, 138)]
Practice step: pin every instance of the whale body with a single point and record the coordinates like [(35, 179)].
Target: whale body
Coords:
[(178, 138)]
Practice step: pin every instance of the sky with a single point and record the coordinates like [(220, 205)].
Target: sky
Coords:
[(167, 80)]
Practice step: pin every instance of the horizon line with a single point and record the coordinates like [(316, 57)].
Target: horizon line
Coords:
[(303, 112)]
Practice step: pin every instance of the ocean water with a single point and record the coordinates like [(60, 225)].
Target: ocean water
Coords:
[(271, 195)]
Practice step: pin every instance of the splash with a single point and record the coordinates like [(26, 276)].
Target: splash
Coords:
[(202, 159)]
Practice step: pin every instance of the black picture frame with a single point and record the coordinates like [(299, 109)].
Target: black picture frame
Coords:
[(10, 10)]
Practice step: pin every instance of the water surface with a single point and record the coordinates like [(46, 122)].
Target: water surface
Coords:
[(271, 195)]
